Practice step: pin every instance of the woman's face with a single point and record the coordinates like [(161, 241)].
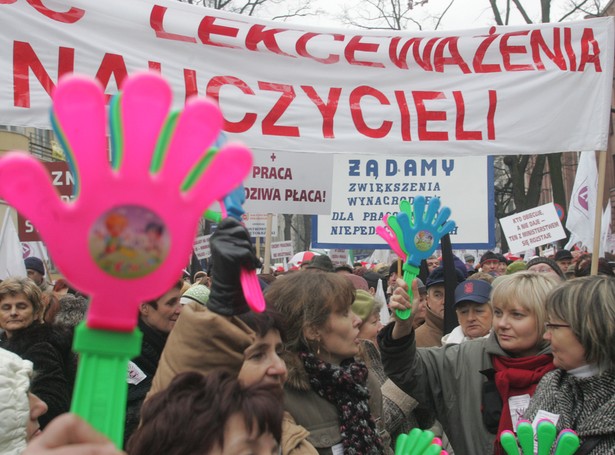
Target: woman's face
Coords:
[(339, 337), (16, 313), (37, 408), (262, 362), (370, 328), (568, 352), (516, 329)]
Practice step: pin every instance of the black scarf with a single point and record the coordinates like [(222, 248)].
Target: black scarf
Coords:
[(345, 386)]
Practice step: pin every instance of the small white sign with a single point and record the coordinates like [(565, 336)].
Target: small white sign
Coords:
[(256, 224), (280, 250), (532, 228), (339, 257), (201, 247)]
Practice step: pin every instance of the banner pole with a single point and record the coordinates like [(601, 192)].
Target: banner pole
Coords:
[(598, 215), (267, 262)]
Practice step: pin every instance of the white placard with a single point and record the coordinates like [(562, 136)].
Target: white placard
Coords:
[(338, 256), (256, 224), (532, 228), (281, 250), (201, 247)]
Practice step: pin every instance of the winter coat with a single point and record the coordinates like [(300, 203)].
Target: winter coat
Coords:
[(447, 380), (15, 376), (430, 333), (205, 341), (49, 349), (141, 371), (319, 416), (585, 405)]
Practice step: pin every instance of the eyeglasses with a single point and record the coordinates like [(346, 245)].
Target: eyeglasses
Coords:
[(550, 326)]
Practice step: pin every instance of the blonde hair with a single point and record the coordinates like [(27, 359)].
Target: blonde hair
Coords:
[(588, 305), (527, 289), (14, 286)]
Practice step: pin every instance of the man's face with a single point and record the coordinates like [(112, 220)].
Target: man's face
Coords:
[(490, 265), (35, 276), (564, 264), (435, 299), (432, 264)]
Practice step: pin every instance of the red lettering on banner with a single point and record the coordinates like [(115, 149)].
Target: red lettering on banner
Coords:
[(402, 103), (569, 50), (357, 114), (538, 43), (24, 60), (69, 17), (327, 110), (479, 56), (507, 50), (301, 47), (355, 45), (587, 41), (112, 65), (269, 126), (190, 83), (493, 102), (213, 91), (454, 59), (155, 21), (207, 27), (257, 34), (424, 116), (7, 2), (401, 60), (154, 66), (460, 133)]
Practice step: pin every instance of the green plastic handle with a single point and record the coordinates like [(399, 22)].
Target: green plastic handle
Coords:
[(410, 273), (101, 388)]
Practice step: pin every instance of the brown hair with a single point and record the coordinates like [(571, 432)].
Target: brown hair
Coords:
[(306, 300), (154, 304), (14, 286), (189, 417)]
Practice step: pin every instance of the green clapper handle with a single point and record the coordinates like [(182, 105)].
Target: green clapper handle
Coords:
[(101, 387), (410, 273)]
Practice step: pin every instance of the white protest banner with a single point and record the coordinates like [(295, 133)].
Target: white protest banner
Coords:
[(201, 247), (256, 224), (365, 188), (281, 250), (290, 87), (532, 228), (283, 182)]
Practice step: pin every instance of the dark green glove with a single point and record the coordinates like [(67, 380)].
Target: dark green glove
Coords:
[(231, 249)]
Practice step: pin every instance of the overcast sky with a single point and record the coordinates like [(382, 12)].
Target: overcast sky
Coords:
[(462, 14)]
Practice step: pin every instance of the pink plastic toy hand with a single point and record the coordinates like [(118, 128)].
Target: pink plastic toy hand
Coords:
[(389, 236), (129, 232)]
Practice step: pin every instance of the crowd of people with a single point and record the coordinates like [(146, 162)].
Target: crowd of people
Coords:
[(319, 371)]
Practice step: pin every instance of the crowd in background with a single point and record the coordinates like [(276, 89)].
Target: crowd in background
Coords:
[(328, 367)]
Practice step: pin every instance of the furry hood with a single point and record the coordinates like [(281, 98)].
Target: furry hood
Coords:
[(298, 379)]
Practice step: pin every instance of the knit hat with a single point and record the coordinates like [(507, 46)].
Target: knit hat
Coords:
[(34, 263), (363, 304), (15, 374), (357, 281), (516, 266), (562, 255), (489, 256), (468, 257), (198, 293), (550, 262)]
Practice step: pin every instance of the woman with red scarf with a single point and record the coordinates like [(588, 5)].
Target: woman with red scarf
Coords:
[(478, 388)]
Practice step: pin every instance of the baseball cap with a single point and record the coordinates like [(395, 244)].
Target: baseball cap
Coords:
[(437, 276), (472, 291)]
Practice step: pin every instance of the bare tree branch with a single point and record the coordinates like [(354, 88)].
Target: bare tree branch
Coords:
[(521, 10)]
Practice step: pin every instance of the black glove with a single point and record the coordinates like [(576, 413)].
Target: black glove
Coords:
[(231, 249)]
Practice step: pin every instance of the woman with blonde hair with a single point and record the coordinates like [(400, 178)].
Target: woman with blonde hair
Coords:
[(581, 391), (477, 388)]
